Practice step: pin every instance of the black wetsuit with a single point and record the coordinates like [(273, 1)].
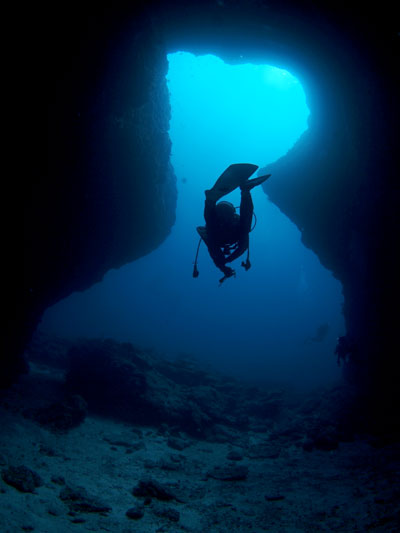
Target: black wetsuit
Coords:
[(227, 240)]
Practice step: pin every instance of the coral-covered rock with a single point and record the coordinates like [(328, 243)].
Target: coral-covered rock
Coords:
[(119, 380)]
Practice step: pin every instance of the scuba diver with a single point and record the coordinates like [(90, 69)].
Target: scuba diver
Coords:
[(226, 233), (346, 350)]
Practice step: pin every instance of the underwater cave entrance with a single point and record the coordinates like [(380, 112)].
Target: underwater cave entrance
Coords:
[(223, 114), (279, 321)]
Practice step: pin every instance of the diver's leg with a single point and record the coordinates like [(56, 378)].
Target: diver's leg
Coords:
[(209, 208)]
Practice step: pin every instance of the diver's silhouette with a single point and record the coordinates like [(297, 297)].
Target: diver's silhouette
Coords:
[(226, 234), (346, 350)]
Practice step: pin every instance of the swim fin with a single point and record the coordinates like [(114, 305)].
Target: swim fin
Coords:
[(254, 182), (232, 177)]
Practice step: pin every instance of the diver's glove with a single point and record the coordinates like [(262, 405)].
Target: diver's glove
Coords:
[(246, 264), (229, 272)]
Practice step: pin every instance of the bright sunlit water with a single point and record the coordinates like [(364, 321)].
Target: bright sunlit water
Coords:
[(259, 324)]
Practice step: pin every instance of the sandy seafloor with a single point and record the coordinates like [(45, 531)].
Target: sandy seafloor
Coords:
[(351, 489)]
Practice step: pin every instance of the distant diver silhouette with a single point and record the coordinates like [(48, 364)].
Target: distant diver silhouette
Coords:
[(346, 350), (226, 234)]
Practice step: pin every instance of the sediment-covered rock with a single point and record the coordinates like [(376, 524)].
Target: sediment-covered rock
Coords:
[(135, 513), (229, 472), (22, 478), (60, 416), (151, 488), (78, 500), (119, 380)]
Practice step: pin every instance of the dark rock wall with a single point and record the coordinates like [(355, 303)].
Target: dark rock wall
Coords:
[(338, 184), (108, 196)]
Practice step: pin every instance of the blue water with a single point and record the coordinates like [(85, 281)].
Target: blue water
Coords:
[(256, 325)]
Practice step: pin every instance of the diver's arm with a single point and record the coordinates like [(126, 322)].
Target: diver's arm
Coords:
[(219, 259), (242, 247), (246, 211)]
